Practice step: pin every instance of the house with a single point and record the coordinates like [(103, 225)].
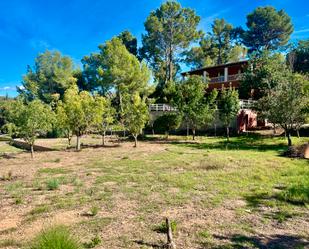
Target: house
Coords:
[(225, 75), (229, 75)]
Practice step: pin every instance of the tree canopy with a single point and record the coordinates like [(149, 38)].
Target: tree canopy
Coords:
[(169, 30), (228, 106), (268, 29), (197, 109), (51, 75), (287, 104)]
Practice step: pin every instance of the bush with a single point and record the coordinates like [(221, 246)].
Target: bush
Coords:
[(167, 123), (52, 184), (55, 238)]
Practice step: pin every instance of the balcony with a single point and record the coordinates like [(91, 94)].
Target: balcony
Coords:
[(219, 79), (161, 108)]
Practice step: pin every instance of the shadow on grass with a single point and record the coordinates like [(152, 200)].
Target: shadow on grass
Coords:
[(261, 242), (255, 142)]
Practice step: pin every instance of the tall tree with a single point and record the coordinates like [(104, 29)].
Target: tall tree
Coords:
[(268, 29), (217, 47), (121, 70), (170, 30), (129, 41), (31, 120), (228, 106), (136, 114), (51, 75), (298, 57), (287, 104), (197, 109)]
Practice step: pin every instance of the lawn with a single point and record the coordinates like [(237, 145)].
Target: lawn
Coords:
[(243, 194)]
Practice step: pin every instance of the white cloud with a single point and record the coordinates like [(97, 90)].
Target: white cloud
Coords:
[(207, 21), (39, 44), (8, 88)]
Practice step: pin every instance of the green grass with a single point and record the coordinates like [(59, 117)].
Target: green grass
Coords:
[(204, 175), (57, 237), (5, 147), (52, 184)]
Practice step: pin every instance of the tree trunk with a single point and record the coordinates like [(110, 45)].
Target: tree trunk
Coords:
[(153, 132), (188, 131), (228, 133), (69, 139), (103, 138), (288, 133), (297, 131), (215, 130), (193, 134), (31, 150), (166, 134), (135, 140), (78, 142), (169, 234)]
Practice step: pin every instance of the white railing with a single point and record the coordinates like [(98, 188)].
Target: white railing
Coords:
[(161, 108), (246, 103), (219, 79)]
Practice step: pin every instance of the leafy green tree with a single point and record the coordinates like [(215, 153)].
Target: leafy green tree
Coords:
[(122, 71), (170, 30), (298, 57), (263, 73), (81, 111), (62, 121), (197, 109), (229, 107), (136, 114), (31, 120), (129, 41), (108, 116), (268, 29), (167, 122), (51, 75), (287, 104)]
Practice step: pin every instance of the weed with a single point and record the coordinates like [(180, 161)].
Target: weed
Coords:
[(52, 184), (57, 237), (39, 210), (93, 243), (162, 228), (94, 210), (18, 200)]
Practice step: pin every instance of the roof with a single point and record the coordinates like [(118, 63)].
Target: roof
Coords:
[(217, 66)]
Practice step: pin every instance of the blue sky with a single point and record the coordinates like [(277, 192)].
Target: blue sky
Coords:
[(76, 27)]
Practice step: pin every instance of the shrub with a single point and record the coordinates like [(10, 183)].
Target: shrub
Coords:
[(162, 228), (52, 184), (57, 237), (167, 123)]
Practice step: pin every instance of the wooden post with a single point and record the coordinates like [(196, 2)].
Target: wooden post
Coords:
[(170, 242)]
